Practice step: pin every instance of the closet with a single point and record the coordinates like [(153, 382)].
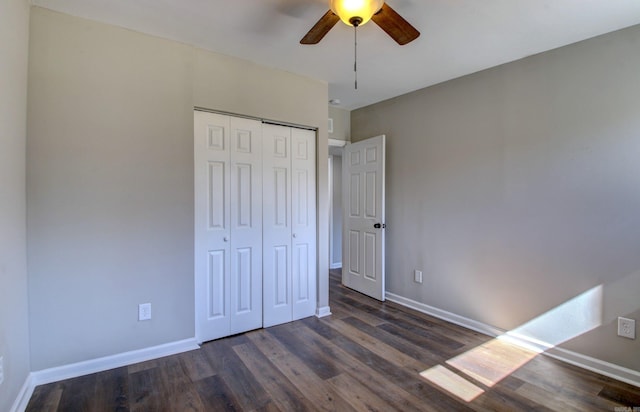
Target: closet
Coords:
[(255, 224)]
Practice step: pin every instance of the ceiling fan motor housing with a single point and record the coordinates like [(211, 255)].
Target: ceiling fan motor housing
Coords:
[(355, 21)]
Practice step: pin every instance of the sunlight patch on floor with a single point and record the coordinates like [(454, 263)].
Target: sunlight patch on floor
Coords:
[(488, 364), (452, 383), (495, 360)]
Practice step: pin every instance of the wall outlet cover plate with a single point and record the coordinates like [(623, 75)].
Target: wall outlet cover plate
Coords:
[(144, 311), (627, 328)]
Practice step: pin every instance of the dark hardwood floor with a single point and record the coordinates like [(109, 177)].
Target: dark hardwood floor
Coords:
[(366, 356)]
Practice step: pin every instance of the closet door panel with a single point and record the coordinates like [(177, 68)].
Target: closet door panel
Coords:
[(212, 224), (303, 218), (246, 224), (277, 224)]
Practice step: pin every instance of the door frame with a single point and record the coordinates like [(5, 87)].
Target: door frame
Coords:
[(340, 144)]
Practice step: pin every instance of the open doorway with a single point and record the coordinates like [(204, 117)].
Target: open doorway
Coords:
[(335, 203), (339, 129)]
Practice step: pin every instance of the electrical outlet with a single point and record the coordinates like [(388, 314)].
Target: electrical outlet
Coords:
[(417, 276), (1, 369), (144, 311), (627, 328)]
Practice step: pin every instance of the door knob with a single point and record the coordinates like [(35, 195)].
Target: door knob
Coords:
[(294, 235), (378, 225), (226, 239)]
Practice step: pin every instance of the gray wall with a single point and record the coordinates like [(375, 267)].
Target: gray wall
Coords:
[(110, 179), (517, 189), (14, 331)]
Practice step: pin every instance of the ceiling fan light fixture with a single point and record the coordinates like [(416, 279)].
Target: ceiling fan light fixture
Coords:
[(355, 12)]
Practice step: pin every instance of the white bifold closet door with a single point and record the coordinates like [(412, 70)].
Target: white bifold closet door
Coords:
[(228, 224), (289, 224)]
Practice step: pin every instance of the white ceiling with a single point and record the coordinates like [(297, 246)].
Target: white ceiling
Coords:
[(458, 36)]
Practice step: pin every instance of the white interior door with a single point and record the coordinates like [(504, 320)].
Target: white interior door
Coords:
[(363, 217), (228, 225)]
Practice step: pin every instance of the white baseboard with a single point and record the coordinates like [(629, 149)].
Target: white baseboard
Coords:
[(444, 315), (611, 370), (323, 311), (110, 362), (22, 401), (336, 265)]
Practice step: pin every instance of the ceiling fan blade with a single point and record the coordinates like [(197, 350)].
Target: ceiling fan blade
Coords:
[(321, 28), (397, 27)]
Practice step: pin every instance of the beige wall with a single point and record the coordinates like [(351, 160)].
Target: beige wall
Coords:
[(516, 190), (14, 331), (110, 179), (341, 123)]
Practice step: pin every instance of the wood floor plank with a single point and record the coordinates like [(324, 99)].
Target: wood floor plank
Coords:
[(455, 332), (408, 348), (196, 364), (78, 394), (358, 396), (378, 347), (321, 365), (339, 311), (112, 390), (46, 398), (377, 382), (418, 326), (178, 391), (216, 396), (392, 312), (247, 390), (626, 397), (273, 406), (141, 366), (512, 383), (436, 340), (566, 382), (548, 399), (145, 390), (275, 383), (501, 399), (551, 375), (306, 381), (345, 311)]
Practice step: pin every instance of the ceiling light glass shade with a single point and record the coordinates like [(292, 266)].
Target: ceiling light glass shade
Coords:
[(347, 9)]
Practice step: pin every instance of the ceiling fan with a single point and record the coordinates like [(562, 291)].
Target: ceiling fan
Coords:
[(356, 13)]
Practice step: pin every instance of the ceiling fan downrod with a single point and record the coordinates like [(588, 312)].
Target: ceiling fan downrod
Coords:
[(355, 22)]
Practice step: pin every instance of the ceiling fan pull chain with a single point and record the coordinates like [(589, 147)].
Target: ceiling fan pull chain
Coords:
[(355, 54)]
